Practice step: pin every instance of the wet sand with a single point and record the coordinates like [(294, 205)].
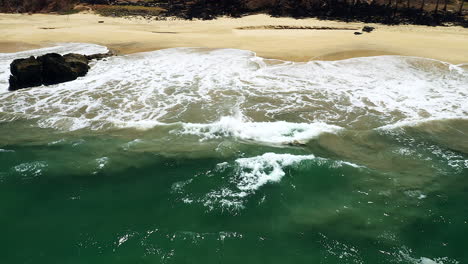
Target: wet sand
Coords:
[(267, 36), (7, 47)]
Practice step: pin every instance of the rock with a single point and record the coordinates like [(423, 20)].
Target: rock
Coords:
[(368, 29), (297, 143), (25, 73), (78, 63), (55, 69), (51, 68), (100, 56), (357, 33)]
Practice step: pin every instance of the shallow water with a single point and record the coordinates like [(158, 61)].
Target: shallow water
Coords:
[(218, 156)]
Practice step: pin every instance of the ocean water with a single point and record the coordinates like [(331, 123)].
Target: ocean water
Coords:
[(195, 155)]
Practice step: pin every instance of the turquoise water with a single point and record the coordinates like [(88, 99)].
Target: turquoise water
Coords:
[(229, 158)]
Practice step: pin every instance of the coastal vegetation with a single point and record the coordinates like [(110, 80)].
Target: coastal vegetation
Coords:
[(422, 12), (36, 6), (128, 10)]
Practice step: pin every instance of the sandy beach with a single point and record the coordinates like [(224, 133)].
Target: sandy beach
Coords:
[(130, 35)]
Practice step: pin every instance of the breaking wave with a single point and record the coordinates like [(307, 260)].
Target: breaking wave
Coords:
[(205, 88), (248, 175), (279, 132)]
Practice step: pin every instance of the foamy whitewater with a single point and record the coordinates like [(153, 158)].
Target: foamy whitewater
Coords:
[(202, 86), (166, 155)]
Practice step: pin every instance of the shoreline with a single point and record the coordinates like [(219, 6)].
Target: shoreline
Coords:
[(254, 33)]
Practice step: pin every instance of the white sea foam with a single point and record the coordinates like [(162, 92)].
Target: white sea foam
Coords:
[(60, 48), (102, 162), (424, 260), (342, 251), (30, 169), (416, 194), (6, 150), (248, 175), (416, 122), (199, 87), (405, 256), (257, 171), (279, 132)]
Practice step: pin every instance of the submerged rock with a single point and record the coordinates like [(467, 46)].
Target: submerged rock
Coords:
[(48, 69)]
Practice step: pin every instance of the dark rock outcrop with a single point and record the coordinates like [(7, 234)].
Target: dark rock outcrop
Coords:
[(48, 69), (78, 63), (368, 29), (25, 73), (55, 69), (100, 56)]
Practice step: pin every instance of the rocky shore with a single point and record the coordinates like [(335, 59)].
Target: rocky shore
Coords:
[(49, 69)]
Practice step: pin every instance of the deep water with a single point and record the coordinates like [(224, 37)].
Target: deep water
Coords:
[(218, 156)]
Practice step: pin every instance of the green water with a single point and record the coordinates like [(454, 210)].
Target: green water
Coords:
[(99, 197), (219, 156)]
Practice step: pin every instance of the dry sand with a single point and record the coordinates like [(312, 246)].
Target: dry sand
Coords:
[(130, 35)]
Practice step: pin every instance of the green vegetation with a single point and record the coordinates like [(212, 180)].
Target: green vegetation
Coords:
[(129, 10), (69, 12), (37, 6), (422, 12)]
